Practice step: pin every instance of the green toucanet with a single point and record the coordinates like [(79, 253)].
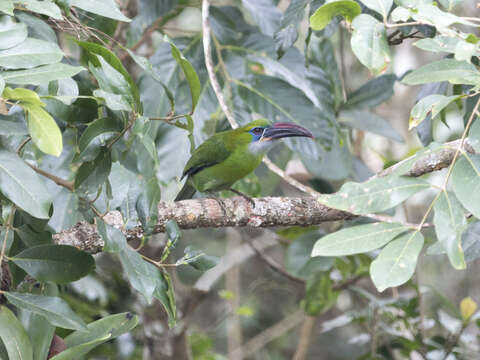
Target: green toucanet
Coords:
[(231, 155)]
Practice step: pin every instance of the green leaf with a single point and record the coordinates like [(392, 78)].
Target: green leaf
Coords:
[(371, 94), (37, 28), (14, 336), (81, 349), (471, 242), (465, 50), (30, 53), (450, 222), (190, 75), (108, 328), (381, 6), (145, 64), (142, 275), (396, 262), (368, 121), (453, 71), (93, 174), (431, 14), (11, 32), (357, 239), (107, 8), (113, 101), (41, 74), (110, 58), (7, 7), (114, 240), (287, 34), (369, 43), (198, 259), (466, 182), (57, 263), (375, 195), (319, 295), (42, 7), (165, 294), (265, 14), (321, 18), (298, 258), (431, 104), (439, 43), (22, 186), (96, 136), (2, 85), (23, 95), (39, 331), (147, 204), (54, 310), (43, 129)]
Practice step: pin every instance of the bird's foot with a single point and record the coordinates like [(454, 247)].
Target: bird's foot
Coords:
[(246, 197), (220, 203)]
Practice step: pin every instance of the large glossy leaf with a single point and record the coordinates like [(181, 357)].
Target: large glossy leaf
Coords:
[(432, 104), (453, 71), (54, 310), (142, 275), (30, 53), (48, 8), (14, 336), (450, 222), (111, 84), (23, 186), (369, 43), (147, 204), (396, 263), (93, 174), (107, 8), (57, 263), (375, 195), (96, 135), (439, 43), (381, 6), (81, 342), (6, 6), (466, 182), (39, 331), (23, 95), (190, 74), (44, 130), (41, 74), (357, 239), (11, 32), (349, 9), (114, 240), (165, 294), (37, 28)]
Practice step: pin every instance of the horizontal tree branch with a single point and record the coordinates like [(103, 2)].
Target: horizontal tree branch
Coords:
[(268, 211)]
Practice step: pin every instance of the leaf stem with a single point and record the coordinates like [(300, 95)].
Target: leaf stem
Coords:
[(59, 181)]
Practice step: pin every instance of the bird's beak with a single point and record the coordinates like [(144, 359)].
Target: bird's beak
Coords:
[(283, 129)]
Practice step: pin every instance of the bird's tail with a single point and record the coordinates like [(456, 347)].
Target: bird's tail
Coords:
[(187, 192)]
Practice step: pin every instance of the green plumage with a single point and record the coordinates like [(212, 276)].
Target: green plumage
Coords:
[(221, 160)]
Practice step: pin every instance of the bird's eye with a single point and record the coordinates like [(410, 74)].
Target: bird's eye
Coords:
[(257, 130)]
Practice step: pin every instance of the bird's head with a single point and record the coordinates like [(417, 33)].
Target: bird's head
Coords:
[(263, 133)]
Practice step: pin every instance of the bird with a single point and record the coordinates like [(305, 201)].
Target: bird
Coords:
[(229, 156)]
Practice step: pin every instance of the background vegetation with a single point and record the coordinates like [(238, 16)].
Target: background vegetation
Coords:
[(102, 102)]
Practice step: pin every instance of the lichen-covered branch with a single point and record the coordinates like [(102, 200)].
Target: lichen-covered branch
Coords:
[(237, 212)]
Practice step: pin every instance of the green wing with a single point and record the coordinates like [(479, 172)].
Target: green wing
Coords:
[(211, 152)]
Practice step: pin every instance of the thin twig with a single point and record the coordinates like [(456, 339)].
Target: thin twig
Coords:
[(23, 143), (59, 181), (305, 338)]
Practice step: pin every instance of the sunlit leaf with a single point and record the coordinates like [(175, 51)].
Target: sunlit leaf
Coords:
[(321, 18), (44, 130), (467, 308), (369, 43), (375, 195), (107, 8), (381, 6), (48, 8), (30, 53), (11, 32), (453, 71), (396, 263), (357, 239), (431, 104), (41, 74)]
